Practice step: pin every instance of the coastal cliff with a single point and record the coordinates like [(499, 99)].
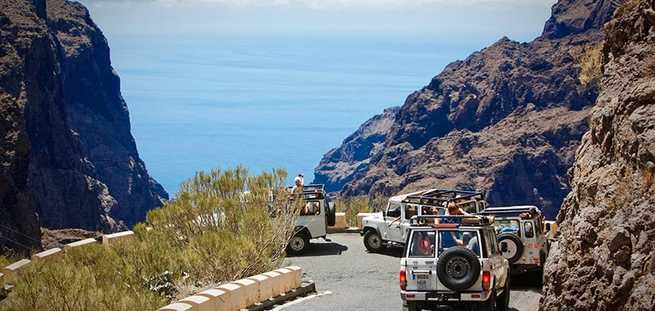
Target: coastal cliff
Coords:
[(68, 157), (507, 120)]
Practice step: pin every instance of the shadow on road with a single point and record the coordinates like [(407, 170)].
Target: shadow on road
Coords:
[(527, 282), (323, 249)]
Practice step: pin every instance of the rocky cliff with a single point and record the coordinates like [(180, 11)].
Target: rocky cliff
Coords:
[(69, 160), (506, 120), (606, 254)]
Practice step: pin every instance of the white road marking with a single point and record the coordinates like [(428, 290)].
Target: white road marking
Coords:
[(297, 301)]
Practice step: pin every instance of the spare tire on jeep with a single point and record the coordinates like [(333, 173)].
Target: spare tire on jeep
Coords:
[(330, 214), (510, 246), (458, 268)]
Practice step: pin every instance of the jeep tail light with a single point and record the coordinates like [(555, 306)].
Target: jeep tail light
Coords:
[(486, 280), (403, 280)]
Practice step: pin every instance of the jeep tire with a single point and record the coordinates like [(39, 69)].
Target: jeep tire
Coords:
[(373, 241), (410, 306), (330, 214), (458, 268), (516, 246), (298, 244)]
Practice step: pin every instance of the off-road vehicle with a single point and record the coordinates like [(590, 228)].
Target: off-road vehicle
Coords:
[(521, 236), (391, 226), (316, 214), (453, 261)]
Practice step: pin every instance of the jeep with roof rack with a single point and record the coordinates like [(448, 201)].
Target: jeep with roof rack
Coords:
[(316, 214), (453, 261), (390, 227), (521, 236)]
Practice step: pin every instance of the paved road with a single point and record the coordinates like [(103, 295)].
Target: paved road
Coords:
[(349, 278)]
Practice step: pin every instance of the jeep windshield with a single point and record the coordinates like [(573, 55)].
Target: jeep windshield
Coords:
[(507, 226)]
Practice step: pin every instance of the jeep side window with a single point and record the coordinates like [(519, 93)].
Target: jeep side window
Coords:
[(528, 228), (393, 210), (410, 210), (311, 208)]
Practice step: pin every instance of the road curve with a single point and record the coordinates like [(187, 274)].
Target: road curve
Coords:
[(349, 278)]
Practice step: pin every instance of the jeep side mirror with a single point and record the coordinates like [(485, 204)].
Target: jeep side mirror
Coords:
[(503, 247)]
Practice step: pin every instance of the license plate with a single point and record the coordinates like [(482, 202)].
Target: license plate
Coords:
[(422, 276), (422, 284)]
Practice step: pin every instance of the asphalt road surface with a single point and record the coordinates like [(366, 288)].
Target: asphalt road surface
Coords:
[(347, 277)]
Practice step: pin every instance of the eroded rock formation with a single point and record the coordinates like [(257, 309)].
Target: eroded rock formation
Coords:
[(68, 157), (606, 254), (506, 120)]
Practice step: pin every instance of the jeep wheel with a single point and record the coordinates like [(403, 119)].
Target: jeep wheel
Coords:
[(410, 306), (373, 241), (458, 268), (502, 303), (510, 246), (297, 244), (330, 214)]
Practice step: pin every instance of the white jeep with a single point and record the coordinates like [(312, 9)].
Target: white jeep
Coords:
[(521, 236), (453, 261), (391, 226), (316, 214)]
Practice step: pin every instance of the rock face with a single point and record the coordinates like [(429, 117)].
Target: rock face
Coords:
[(606, 256), (68, 155), (506, 120)]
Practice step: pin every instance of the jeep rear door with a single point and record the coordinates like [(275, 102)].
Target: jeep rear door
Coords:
[(421, 260)]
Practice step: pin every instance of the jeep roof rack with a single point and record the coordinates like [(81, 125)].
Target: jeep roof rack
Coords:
[(511, 211), (311, 191), (464, 220), (437, 197)]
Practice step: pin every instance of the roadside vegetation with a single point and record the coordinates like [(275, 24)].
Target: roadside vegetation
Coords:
[(219, 228)]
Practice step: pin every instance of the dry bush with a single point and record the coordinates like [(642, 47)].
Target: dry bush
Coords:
[(353, 206), (591, 65), (222, 226)]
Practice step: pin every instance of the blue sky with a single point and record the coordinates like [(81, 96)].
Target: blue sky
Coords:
[(450, 20)]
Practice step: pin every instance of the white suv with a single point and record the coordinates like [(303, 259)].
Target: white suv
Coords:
[(453, 261), (315, 216), (391, 226), (521, 236)]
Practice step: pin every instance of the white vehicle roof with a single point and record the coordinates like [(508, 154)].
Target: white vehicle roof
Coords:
[(400, 197)]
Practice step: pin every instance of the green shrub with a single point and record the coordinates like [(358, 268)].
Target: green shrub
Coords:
[(219, 228)]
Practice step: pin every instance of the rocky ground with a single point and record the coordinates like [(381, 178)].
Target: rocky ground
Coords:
[(506, 120), (606, 258)]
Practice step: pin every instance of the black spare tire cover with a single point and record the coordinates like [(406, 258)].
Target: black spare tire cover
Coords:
[(458, 268), (331, 214), (513, 247)]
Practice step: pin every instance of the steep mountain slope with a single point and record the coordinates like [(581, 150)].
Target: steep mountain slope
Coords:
[(606, 254), (507, 120), (70, 157)]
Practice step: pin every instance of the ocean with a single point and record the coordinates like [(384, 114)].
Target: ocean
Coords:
[(198, 103)]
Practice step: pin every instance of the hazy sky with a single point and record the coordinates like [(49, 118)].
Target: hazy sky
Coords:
[(440, 19)]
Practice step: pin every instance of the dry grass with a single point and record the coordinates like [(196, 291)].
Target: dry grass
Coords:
[(591, 65), (218, 229), (353, 206)]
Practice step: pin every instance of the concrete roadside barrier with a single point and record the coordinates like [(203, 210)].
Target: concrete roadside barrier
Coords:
[(297, 276), (217, 299), (113, 238), (276, 281), (198, 303), (51, 254), (2, 281), (178, 306), (264, 286), (12, 271), (287, 279), (235, 298), (361, 216), (249, 290), (80, 243)]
